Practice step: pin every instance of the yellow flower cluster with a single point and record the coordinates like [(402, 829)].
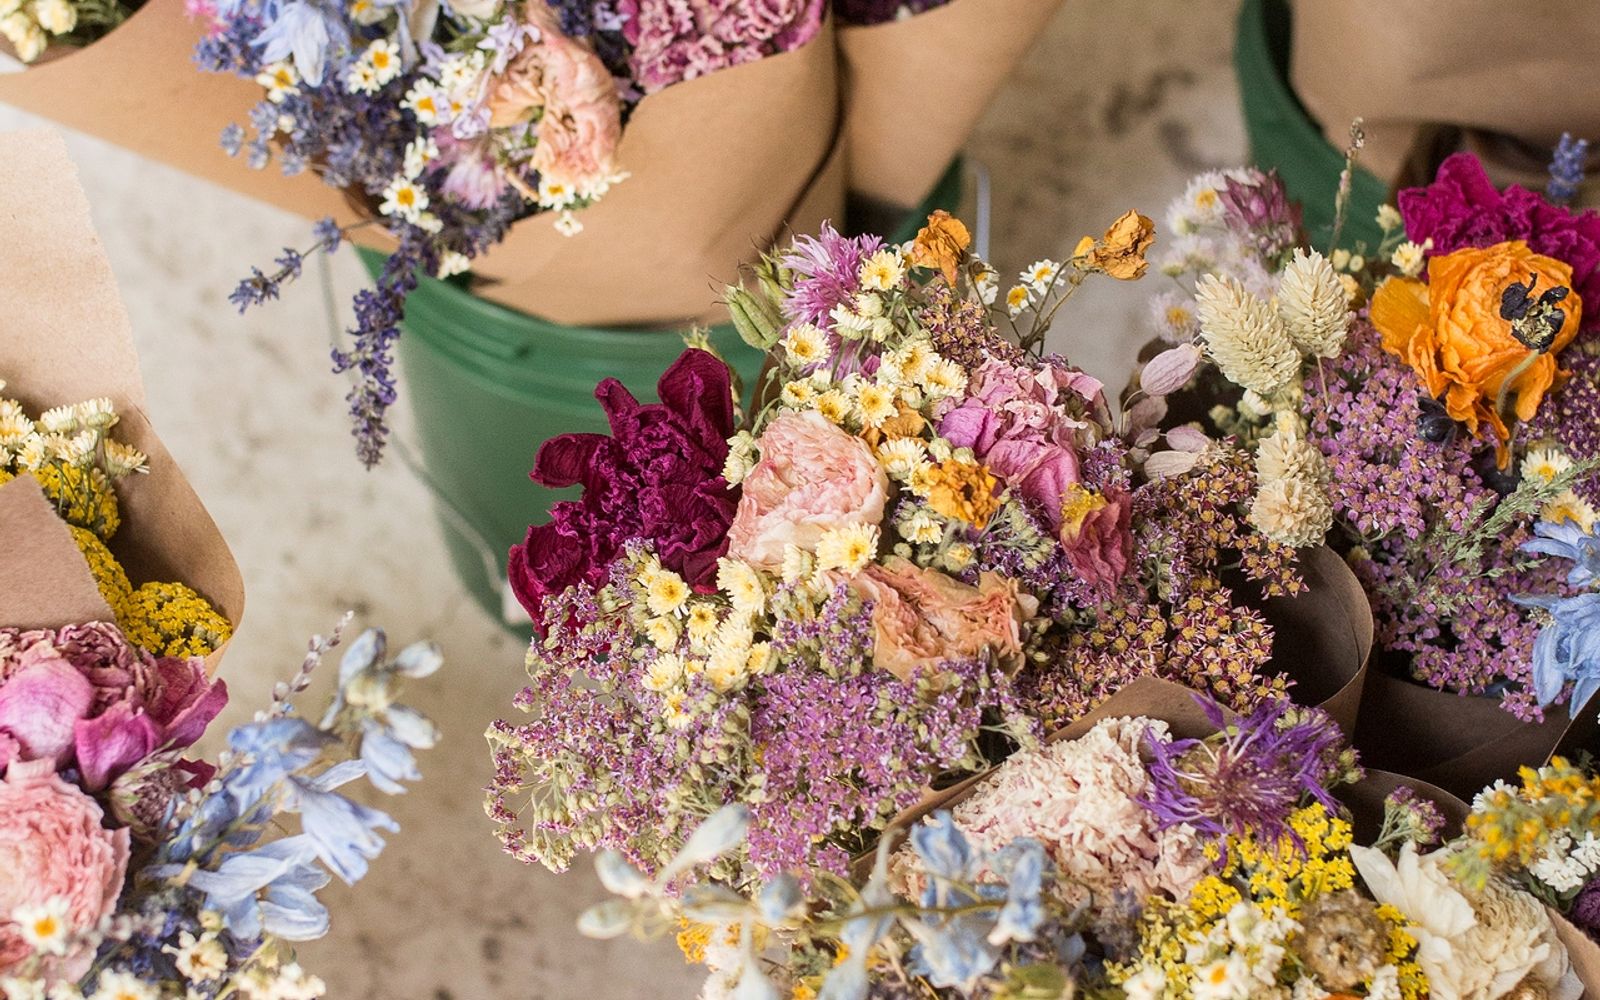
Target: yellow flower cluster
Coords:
[(962, 490), (1511, 826), (83, 497), (108, 574), (1286, 874), (170, 619)]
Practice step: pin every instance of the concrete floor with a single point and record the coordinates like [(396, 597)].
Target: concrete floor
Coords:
[(1115, 107)]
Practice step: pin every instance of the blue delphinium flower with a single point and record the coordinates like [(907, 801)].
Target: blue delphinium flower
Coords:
[(1566, 169), (1567, 540), (306, 32), (1568, 649)]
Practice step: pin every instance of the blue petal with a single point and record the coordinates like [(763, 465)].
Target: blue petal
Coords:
[(345, 832), (293, 914)]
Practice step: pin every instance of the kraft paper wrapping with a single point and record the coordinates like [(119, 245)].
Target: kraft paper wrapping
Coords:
[(1511, 76), (44, 580), (719, 167), (915, 88), (1460, 743), (67, 338)]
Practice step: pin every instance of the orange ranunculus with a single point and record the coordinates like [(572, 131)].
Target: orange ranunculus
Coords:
[(1451, 330), (941, 244)]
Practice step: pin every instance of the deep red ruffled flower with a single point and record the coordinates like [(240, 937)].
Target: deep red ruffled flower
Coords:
[(1463, 208), (657, 478)]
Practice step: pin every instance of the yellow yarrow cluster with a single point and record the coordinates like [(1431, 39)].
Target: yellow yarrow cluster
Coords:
[(108, 574), (170, 619), (83, 497), (1511, 826)]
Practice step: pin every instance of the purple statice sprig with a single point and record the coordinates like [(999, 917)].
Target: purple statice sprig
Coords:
[(1567, 164), (1252, 775)]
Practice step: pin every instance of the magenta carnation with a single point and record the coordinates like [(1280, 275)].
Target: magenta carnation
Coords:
[(677, 40), (1463, 208), (657, 478), (83, 696)]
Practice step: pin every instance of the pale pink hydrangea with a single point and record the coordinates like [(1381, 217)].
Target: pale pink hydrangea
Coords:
[(677, 40)]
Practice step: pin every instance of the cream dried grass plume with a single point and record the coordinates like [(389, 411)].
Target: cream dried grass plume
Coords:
[(1313, 305), (1244, 336)]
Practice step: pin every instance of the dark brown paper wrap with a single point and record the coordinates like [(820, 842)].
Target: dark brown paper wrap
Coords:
[(68, 339), (719, 167), (915, 88)]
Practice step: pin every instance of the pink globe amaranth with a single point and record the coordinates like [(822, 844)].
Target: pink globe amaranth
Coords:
[(657, 479), (1463, 208), (84, 696), (812, 478), (53, 847)]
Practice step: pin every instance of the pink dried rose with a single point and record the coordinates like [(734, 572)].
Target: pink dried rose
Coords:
[(1097, 533), (1028, 426), (922, 617), (581, 115), (812, 478), (84, 696), (54, 849)]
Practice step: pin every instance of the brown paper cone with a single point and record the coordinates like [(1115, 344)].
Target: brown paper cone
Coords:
[(68, 339), (44, 580), (139, 88), (1505, 73), (914, 89), (718, 166), (1460, 743), (1322, 639), (1583, 951)]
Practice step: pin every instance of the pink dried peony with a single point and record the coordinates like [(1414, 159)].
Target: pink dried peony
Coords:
[(922, 617), (85, 696), (677, 40), (53, 847), (812, 478), (581, 115), (1027, 426)]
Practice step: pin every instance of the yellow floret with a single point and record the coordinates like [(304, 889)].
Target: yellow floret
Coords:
[(170, 619)]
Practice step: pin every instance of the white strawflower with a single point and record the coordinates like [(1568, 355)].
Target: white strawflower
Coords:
[(59, 420), (664, 672), (1244, 336), (1286, 454), (847, 549), (1408, 258), (1389, 218), (901, 456), (122, 459), (123, 986), (1292, 512), (742, 584), (741, 458), (1313, 305), (804, 344)]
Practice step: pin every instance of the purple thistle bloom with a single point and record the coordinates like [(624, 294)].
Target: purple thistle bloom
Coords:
[(827, 270), (1249, 778)]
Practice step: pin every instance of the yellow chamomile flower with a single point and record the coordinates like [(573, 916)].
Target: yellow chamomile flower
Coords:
[(1017, 300), (743, 586), (1041, 275), (875, 403), (882, 271), (922, 528), (123, 986), (1569, 506), (378, 65), (804, 344), (665, 592), (834, 405), (420, 153), (15, 427), (361, 78), (555, 193), (367, 11), (1389, 218), (44, 927), (945, 378), (664, 673), (701, 622), (798, 564), (280, 81), (200, 959), (1543, 465), (404, 198), (662, 632), (847, 549), (987, 285), (901, 456), (567, 224), (676, 711), (797, 394), (97, 414), (425, 102), (122, 460), (1409, 257), (741, 458)]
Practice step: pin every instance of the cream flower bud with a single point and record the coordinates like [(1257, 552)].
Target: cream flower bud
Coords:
[(1244, 336), (1313, 305), (1292, 512)]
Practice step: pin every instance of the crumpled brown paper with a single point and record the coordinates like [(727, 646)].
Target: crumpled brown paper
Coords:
[(67, 338)]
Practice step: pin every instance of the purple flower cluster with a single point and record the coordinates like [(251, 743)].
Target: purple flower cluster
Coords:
[(1570, 416), (656, 478), (827, 273), (1463, 208), (677, 40), (1250, 778)]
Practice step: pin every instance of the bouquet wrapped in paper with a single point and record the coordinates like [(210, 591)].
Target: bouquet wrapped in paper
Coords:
[(1161, 848), (1444, 441), (130, 866), (923, 547)]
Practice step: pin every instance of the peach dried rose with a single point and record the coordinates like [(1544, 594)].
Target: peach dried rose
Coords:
[(922, 617), (941, 244), (1122, 249)]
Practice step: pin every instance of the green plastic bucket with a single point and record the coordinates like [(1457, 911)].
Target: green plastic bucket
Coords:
[(1283, 136), (488, 385)]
